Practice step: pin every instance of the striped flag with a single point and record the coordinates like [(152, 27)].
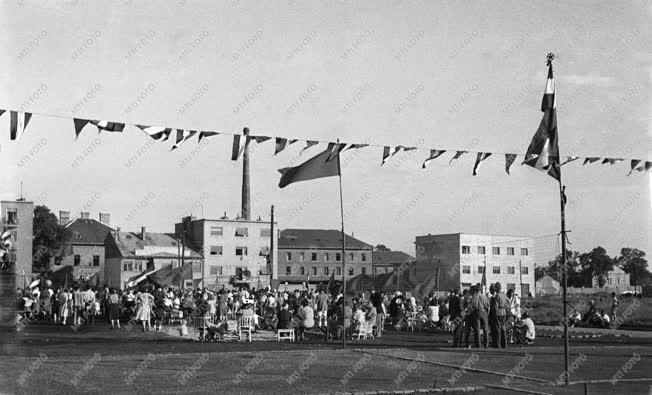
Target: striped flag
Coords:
[(543, 151), (479, 158), (79, 125), (434, 154), (335, 149), (108, 126), (182, 137), (458, 154), (633, 164), (156, 132), (509, 159), (18, 122), (206, 133)]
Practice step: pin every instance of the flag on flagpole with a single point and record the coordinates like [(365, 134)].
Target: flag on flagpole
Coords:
[(156, 132), (17, 123), (316, 167), (479, 158), (309, 143), (590, 160), (543, 151), (457, 156), (634, 163), (206, 133), (108, 126), (182, 137), (235, 150), (79, 125), (434, 154), (509, 159), (335, 149)]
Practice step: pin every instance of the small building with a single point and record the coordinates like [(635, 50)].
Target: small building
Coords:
[(18, 219), (547, 285), (313, 255), (130, 254), (615, 279), (386, 261)]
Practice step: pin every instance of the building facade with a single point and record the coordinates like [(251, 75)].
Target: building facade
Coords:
[(313, 255), (615, 279), (237, 252), (462, 259), (18, 219), (386, 261)]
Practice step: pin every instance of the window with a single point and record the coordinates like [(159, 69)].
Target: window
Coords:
[(240, 251), (338, 271), (326, 257), (217, 231), (326, 271), (510, 250), (387, 270), (96, 260), (216, 270), (130, 266), (466, 250), (511, 286), (350, 271), (239, 273), (288, 270), (338, 256), (524, 251), (124, 267), (496, 270), (466, 269), (288, 256), (313, 256), (480, 269), (12, 217), (77, 235), (77, 260), (57, 261), (482, 250), (364, 257), (196, 267), (138, 266), (510, 269), (351, 256), (302, 270), (302, 257), (265, 232), (314, 271), (363, 270), (216, 250), (495, 250), (242, 232), (525, 270)]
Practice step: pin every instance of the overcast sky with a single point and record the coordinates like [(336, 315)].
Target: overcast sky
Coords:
[(434, 74)]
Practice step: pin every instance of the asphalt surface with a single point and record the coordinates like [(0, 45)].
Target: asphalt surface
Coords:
[(55, 359)]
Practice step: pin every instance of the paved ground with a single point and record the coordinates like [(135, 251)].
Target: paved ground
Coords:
[(45, 358)]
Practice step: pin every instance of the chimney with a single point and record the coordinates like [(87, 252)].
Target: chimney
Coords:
[(105, 218), (246, 204), (85, 215), (142, 233), (64, 217)]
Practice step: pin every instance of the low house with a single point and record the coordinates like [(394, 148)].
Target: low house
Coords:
[(547, 285), (615, 279), (386, 261)]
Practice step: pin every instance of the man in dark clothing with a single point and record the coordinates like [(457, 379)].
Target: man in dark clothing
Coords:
[(493, 322), (284, 318), (479, 307), (501, 305), (455, 310), (322, 308)]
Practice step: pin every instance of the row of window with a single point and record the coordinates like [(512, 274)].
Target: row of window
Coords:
[(240, 232), (132, 266), (77, 261), (239, 251), (482, 250), (466, 269), (327, 256), (326, 271)]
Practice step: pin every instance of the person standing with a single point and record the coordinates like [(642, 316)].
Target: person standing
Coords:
[(501, 304), (479, 307), (114, 308), (64, 305), (455, 311), (493, 320), (377, 300), (307, 319), (144, 312), (322, 308), (614, 305)]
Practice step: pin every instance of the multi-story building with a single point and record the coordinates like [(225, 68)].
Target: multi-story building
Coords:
[(313, 255), (84, 252), (237, 252), (18, 218), (461, 260), (386, 261), (131, 254)]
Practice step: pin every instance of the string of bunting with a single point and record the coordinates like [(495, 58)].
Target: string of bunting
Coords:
[(19, 121)]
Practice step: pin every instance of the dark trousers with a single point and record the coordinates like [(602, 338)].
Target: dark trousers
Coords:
[(480, 321), (468, 325), (457, 332), (498, 332)]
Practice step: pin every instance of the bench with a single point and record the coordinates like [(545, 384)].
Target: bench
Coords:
[(285, 334)]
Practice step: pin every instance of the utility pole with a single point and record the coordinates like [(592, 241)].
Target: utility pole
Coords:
[(271, 249)]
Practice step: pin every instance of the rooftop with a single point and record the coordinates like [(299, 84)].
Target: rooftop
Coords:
[(128, 243), (88, 231), (390, 257), (317, 238)]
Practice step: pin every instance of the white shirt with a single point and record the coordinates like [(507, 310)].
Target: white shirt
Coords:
[(433, 313), (530, 334)]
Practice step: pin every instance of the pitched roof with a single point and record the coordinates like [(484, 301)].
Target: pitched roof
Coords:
[(88, 231), (390, 257), (128, 243), (318, 238)]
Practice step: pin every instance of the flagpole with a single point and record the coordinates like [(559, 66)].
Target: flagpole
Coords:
[(562, 202), (343, 252)]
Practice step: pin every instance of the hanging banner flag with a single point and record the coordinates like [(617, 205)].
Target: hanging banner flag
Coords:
[(182, 137), (634, 163), (509, 159), (281, 143), (17, 123), (612, 161), (309, 143), (235, 150), (457, 156), (206, 133), (479, 158), (648, 166), (156, 132), (434, 154), (108, 126), (316, 167), (335, 149), (543, 151), (569, 159), (261, 139), (79, 125), (590, 160), (385, 155)]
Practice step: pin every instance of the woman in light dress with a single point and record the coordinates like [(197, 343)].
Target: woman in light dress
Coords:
[(65, 305), (144, 300)]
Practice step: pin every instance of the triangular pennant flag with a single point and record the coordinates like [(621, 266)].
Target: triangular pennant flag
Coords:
[(108, 126), (543, 151), (457, 156), (356, 146), (79, 125), (479, 158), (335, 150), (612, 161), (385, 155), (235, 150), (648, 166), (156, 132), (309, 143), (261, 139), (634, 163), (569, 159), (293, 141), (206, 133), (434, 154), (182, 137), (509, 159), (17, 123), (316, 167), (408, 149), (590, 160), (2, 112), (281, 143)]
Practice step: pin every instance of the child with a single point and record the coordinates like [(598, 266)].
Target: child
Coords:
[(183, 329)]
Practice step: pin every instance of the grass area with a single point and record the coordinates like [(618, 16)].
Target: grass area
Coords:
[(635, 313)]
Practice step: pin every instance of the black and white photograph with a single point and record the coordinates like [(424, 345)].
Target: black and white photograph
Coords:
[(325, 197)]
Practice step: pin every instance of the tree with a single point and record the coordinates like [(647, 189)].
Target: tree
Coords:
[(596, 264), (49, 236), (632, 261), (555, 268), (382, 247)]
